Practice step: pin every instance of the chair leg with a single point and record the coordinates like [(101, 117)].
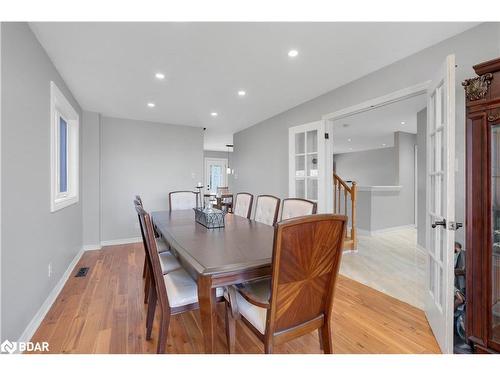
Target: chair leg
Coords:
[(320, 336), (163, 334), (327, 338), (150, 317), (147, 285), (144, 268), (230, 329)]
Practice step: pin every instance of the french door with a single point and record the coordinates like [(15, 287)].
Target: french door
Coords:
[(441, 204), (215, 174), (307, 163)]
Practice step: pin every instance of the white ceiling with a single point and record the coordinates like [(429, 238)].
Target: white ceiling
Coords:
[(110, 67), (375, 128)]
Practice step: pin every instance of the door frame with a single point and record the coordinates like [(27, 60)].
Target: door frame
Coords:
[(380, 101), (206, 160)]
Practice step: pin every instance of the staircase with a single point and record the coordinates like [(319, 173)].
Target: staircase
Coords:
[(344, 203)]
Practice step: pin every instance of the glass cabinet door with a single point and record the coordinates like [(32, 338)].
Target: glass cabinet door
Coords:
[(495, 220)]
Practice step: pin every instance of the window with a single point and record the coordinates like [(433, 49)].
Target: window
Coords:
[(64, 136)]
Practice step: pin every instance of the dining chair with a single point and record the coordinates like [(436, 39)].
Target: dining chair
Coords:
[(168, 261), (174, 292), (182, 200), (294, 207), (243, 205), (299, 296), (266, 209)]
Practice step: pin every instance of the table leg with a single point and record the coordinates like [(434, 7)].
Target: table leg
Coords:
[(207, 301)]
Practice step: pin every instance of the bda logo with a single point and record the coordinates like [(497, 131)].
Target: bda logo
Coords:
[(8, 347)]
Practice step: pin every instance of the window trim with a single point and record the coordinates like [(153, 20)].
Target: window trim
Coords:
[(60, 107)]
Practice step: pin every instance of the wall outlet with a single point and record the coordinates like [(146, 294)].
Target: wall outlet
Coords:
[(49, 271)]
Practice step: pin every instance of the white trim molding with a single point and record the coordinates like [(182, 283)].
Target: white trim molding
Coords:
[(49, 301), (60, 108), (371, 233)]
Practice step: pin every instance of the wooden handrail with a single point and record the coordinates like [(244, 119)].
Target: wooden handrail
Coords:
[(338, 185)]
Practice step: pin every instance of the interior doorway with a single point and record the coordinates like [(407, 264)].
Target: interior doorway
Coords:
[(215, 174)]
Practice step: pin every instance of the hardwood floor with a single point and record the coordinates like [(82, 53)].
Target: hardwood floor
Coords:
[(104, 313)]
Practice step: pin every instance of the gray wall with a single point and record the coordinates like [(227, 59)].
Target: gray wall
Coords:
[(421, 167), (146, 158), (266, 143), (32, 236), (404, 146), (367, 168), (91, 178)]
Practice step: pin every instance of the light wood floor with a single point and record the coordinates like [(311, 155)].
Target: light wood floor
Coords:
[(104, 313), (391, 263)]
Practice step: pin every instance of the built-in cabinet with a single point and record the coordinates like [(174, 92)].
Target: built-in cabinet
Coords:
[(483, 207)]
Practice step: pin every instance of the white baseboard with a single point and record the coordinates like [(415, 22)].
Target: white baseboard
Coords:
[(364, 232), (92, 247), (121, 241), (47, 304)]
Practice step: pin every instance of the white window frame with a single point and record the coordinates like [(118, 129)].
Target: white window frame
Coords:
[(60, 107)]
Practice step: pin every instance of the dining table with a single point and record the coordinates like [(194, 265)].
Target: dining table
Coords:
[(240, 251)]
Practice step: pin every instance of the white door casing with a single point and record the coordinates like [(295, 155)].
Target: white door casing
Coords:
[(440, 203), (307, 163)]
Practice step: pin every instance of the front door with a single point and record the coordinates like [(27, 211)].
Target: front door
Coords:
[(441, 204), (307, 163), (215, 174)]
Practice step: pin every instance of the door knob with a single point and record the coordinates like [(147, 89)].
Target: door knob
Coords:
[(436, 223)]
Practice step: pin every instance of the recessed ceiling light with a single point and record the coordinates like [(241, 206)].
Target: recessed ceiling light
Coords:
[(293, 53), (383, 145), (214, 114), (242, 93), (160, 75), (350, 148), (349, 139), (151, 105), (402, 122)]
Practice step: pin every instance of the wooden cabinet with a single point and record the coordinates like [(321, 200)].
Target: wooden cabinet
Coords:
[(483, 207)]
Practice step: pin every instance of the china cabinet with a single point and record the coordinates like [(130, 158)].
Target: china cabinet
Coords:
[(483, 207)]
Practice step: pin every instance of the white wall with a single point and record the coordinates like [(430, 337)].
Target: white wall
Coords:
[(32, 236), (145, 158)]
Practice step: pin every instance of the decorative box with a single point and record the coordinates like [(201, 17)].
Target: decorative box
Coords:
[(209, 217)]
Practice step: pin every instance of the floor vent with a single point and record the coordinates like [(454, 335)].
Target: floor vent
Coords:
[(82, 272)]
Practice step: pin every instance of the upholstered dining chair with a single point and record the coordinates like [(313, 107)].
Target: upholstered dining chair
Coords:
[(243, 205), (175, 292), (298, 298), (168, 261), (266, 209), (294, 207), (182, 200)]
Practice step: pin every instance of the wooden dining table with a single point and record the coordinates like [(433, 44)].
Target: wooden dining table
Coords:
[(239, 252)]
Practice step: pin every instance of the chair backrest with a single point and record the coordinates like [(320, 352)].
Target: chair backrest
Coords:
[(306, 260), (139, 200), (294, 207), (243, 205), (182, 200), (266, 209), (138, 203), (153, 260)]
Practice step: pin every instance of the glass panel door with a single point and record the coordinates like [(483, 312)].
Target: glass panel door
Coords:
[(215, 174)]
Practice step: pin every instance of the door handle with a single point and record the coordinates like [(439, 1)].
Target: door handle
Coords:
[(442, 223)]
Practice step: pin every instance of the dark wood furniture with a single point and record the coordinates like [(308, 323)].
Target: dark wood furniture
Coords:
[(238, 253), (243, 205), (266, 209), (294, 207), (299, 297), (483, 207)]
